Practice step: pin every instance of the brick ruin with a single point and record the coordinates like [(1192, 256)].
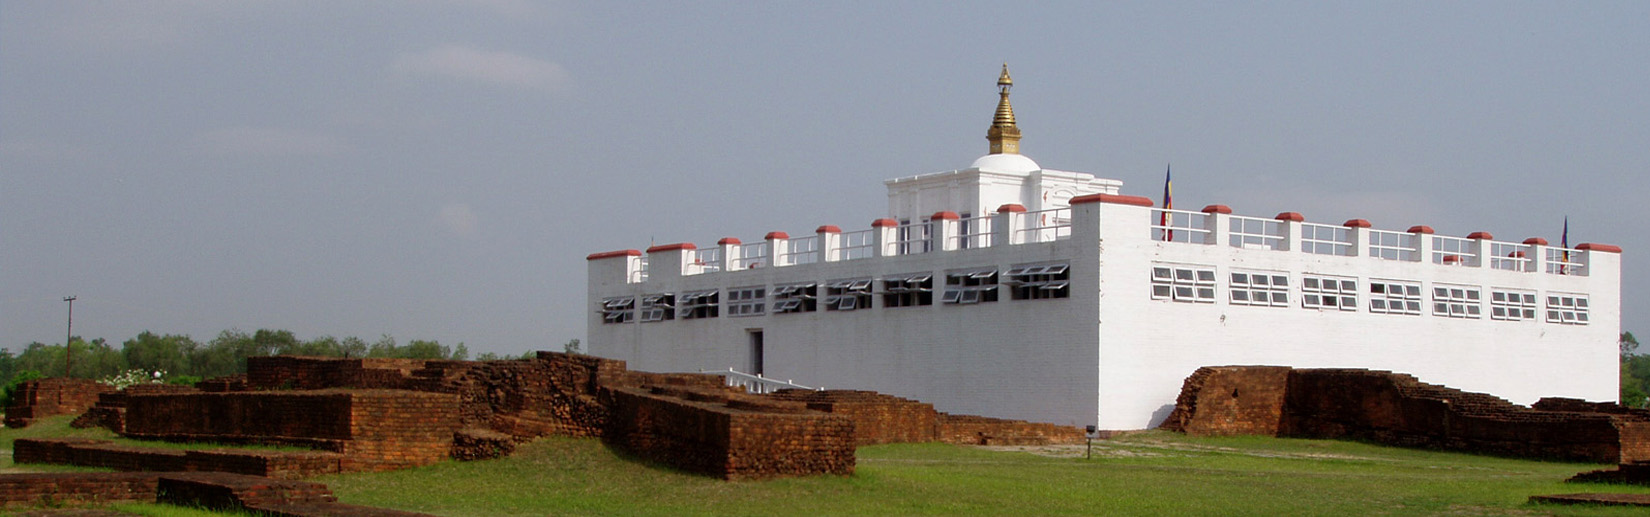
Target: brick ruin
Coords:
[(213, 490), (378, 414), (41, 398), (1398, 409), (880, 418)]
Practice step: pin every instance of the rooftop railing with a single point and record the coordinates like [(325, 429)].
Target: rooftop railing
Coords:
[(855, 245), (1215, 225), (1044, 226), (1179, 226), (1392, 245), (802, 250), (1257, 233)]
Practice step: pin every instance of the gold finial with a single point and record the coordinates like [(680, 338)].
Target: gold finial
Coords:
[(1004, 135)]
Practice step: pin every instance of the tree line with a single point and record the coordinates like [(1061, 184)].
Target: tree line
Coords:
[(186, 361), (1635, 373)]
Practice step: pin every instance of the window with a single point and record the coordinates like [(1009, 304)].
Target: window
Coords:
[(698, 304), (1259, 289), (1038, 282), (1183, 283), (1328, 292), (847, 295), (1512, 305), (975, 286), (908, 290), (658, 307), (1395, 297), (618, 310), (747, 301), (1568, 309), (1457, 301), (795, 298)]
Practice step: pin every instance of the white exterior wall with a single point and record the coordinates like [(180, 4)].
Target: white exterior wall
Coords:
[(979, 193), (1110, 354), (1014, 359), (1148, 347)]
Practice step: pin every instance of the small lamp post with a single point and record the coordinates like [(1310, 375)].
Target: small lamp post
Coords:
[(1090, 432)]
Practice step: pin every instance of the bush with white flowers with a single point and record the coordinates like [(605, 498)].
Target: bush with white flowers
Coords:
[(127, 378)]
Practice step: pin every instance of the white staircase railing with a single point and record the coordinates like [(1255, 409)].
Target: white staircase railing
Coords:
[(756, 383)]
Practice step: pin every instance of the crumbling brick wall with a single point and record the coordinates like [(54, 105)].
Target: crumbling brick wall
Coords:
[(106, 454), (110, 410), (1397, 409), (877, 418), (728, 435), (880, 418), (375, 429), (59, 488), (1231, 400), (41, 398), (979, 430)]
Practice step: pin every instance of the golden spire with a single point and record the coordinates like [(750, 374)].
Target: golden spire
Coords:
[(1004, 135)]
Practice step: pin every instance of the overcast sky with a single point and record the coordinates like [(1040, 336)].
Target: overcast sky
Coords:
[(439, 169)]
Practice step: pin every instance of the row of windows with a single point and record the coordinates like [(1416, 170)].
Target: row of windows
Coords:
[(1196, 284), (962, 287)]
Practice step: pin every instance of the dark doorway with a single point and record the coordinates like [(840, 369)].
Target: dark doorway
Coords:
[(756, 351)]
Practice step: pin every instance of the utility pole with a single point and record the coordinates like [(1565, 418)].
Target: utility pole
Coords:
[(68, 344)]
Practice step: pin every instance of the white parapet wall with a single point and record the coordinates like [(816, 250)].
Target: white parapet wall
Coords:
[(1089, 319)]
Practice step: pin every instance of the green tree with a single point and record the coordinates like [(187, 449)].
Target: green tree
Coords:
[(149, 352), (1635, 373)]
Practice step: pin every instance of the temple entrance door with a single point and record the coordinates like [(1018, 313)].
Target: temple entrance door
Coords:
[(755, 363)]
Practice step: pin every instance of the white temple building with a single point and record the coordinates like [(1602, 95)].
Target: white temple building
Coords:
[(1009, 290)]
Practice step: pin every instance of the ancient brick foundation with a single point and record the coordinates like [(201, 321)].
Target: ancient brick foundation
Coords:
[(730, 436), (215, 490), (880, 418), (1397, 409), (103, 453), (373, 429), (1634, 473), (376, 414), (47, 397), (110, 410)]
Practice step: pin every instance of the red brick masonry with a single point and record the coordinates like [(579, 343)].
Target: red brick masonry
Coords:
[(376, 414), (1397, 409), (46, 397), (103, 453), (213, 490)]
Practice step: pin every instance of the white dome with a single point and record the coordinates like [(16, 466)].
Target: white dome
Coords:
[(1013, 163)]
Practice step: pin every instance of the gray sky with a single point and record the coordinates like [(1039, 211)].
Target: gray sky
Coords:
[(439, 169)]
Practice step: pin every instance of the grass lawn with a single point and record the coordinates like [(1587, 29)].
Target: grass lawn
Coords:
[(1153, 473)]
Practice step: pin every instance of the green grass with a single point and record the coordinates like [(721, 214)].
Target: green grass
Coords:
[(1146, 474), (1153, 473)]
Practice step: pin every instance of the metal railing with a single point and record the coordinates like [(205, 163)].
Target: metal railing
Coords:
[(750, 255), (856, 245), (1394, 245), (1453, 251), (912, 239), (708, 260), (1324, 239), (1046, 225), (802, 250), (1179, 226), (973, 232), (757, 383), (1255, 233), (1508, 256), (1562, 261)]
